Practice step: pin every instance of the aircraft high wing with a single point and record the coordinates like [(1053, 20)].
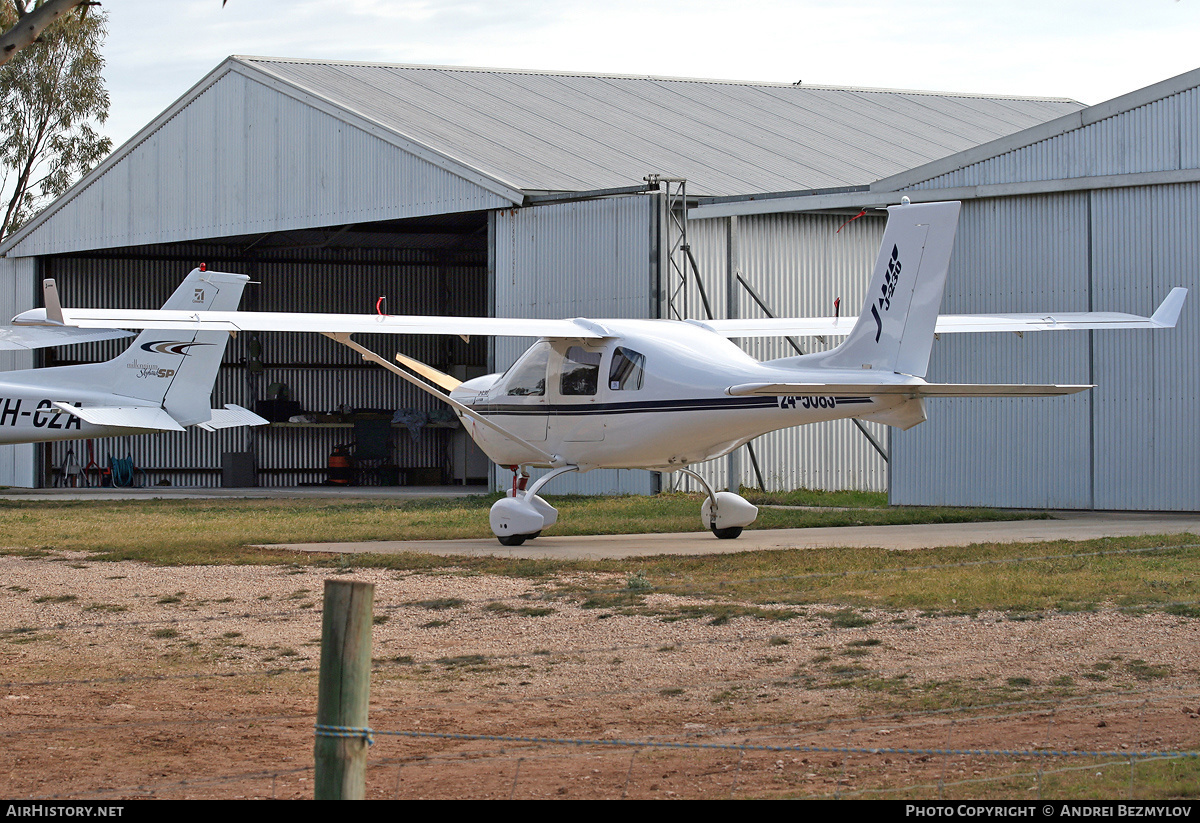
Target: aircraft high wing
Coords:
[(162, 382), (662, 395)]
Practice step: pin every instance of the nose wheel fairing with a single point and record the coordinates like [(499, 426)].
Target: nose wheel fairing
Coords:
[(522, 515)]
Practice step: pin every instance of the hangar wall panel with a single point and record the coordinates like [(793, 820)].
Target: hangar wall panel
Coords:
[(798, 264), (1159, 136), (241, 158), (17, 281), (1144, 243), (586, 259), (1013, 255)]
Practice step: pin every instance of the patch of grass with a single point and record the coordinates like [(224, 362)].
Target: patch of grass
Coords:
[(441, 603), (170, 599), (638, 583), (848, 619), (110, 608), (470, 660), (55, 598), (721, 613), (817, 497), (1145, 671), (164, 634)]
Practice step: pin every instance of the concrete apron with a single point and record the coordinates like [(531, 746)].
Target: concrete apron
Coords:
[(1064, 526)]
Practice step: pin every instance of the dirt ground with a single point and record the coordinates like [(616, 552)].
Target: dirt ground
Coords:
[(122, 680)]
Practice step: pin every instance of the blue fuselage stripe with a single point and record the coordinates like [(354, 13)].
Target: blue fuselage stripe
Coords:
[(646, 406)]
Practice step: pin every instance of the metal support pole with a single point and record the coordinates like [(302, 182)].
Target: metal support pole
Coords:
[(344, 691)]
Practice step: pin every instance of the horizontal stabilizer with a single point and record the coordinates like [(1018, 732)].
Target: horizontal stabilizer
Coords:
[(15, 338), (124, 417), (231, 416), (908, 389)]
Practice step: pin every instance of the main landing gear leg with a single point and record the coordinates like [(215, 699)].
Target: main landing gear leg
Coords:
[(725, 513), (522, 514)]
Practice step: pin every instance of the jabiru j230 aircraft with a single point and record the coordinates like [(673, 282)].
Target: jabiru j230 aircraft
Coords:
[(663, 395), (162, 382)]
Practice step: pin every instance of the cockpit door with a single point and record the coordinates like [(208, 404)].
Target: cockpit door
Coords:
[(577, 390)]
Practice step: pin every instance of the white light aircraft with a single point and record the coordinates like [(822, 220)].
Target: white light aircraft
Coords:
[(162, 382), (662, 395)]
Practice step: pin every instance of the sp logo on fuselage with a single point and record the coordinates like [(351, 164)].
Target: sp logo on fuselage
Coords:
[(884, 302)]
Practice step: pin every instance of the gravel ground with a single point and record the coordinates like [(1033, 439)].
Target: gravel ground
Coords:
[(123, 680)]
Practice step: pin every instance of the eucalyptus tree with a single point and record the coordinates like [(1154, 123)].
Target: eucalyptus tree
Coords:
[(31, 19), (52, 100)]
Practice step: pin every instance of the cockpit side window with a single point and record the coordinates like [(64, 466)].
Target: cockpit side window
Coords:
[(627, 370), (527, 377), (580, 372)]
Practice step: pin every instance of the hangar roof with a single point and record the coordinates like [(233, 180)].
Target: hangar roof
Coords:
[(1146, 137), (556, 131), (273, 144)]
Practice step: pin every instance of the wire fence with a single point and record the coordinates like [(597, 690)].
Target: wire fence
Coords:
[(601, 705)]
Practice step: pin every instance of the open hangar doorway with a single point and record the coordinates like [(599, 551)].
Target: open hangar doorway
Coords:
[(315, 391)]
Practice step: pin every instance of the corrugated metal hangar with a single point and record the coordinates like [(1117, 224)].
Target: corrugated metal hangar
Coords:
[(464, 191), (1097, 210)]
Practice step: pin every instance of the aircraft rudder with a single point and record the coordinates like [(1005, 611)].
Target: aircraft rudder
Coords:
[(894, 332), (151, 368)]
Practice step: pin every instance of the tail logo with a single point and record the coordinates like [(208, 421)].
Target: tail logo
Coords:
[(890, 279), (170, 347)]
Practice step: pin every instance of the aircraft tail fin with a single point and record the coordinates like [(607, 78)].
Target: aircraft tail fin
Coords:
[(174, 369), (894, 332)]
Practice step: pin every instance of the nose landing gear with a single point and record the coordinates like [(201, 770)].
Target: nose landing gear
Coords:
[(522, 514)]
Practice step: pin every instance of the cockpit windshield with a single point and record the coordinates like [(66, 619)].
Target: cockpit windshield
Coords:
[(527, 377)]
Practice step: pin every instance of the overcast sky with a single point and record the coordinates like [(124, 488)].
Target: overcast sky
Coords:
[(1090, 51)]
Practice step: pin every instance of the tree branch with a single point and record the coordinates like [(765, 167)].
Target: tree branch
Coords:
[(31, 25)]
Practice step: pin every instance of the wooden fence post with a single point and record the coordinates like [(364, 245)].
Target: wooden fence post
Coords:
[(344, 691)]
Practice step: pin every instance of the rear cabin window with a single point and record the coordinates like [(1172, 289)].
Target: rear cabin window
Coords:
[(580, 372), (528, 375), (626, 371)]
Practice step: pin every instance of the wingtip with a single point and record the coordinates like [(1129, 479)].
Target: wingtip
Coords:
[(1167, 313)]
